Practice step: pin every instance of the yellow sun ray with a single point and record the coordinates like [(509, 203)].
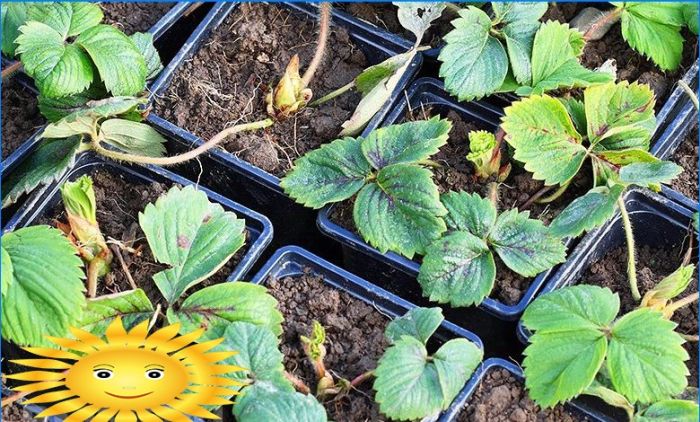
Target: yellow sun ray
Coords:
[(131, 375), (52, 353), (42, 363), (51, 397)]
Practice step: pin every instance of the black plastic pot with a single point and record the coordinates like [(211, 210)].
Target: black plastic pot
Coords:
[(656, 220), (291, 261), (374, 45), (575, 407), (424, 92), (258, 226)]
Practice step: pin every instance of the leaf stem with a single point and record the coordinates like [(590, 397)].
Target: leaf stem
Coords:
[(10, 70), (324, 25), (631, 258), (340, 91), (558, 193), (688, 91), (167, 161), (297, 383), (532, 199), (361, 378), (493, 194), (610, 18), (674, 306)]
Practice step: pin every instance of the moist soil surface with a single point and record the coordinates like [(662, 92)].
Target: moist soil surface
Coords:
[(134, 17), (501, 397), (118, 204), (631, 66), (652, 266), (226, 82), (686, 156), (457, 174), (20, 116), (354, 339), (383, 15)]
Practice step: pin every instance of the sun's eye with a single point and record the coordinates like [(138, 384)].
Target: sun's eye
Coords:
[(102, 374), (154, 374)]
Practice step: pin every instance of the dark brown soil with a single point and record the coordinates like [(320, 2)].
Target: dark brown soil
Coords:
[(631, 66), (227, 80), (354, 339), (502, 398), (20, 116), (457, 174), (118, 205), (383, 15), (652, 266), (687, 157), (134, 17), (14, 412)]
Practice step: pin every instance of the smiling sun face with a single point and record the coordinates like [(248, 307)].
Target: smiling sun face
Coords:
[(130, 375)]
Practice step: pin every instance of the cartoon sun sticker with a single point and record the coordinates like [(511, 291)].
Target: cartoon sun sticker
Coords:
[(129, 376)]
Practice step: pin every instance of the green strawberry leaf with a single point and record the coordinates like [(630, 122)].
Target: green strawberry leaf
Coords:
[(215, 307), (555, 61), (133, 137), (121, 65), (690, 16), (587, 212), (646, 357), (650, 174), (266, 402), (58, 69), (474, 63), (192, 235), (257, 350), (569, 345), (374, 75), (332, 173), (626, 156), (67, 18), (46, 295), (653, 30), (48, 163), (458, 269), (420, 323), (132, 306), (620, 116), (544, 138), (469, 212), (524, 244), (401, 211), (405, 143), (412, 385), (6, 268), (14, 15), (144, 44), (669, 410)]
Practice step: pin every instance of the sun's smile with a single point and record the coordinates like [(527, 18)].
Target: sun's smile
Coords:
[(128, 397), (129, 376)]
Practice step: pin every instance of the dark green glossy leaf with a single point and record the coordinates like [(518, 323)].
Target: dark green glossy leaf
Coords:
[(469, 212), (587, 212)]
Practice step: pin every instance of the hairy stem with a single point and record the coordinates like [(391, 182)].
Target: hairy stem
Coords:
[(631, 257), (11, 70), (610, 18), (493, 193), (684, 86), (338, 92), (297, 383), (361, 378), (690, 338), (537, 195), (673, 307), (558, 193), (324, 29), (92, 274), (168, 161), (9, 399)]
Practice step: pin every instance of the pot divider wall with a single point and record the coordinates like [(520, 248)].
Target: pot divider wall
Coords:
[(656, 221), (365, 260), (461, 402), (291, 261)]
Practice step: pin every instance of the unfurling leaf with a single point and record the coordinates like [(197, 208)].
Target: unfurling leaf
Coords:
[(33, 307), (460, 269), (290, 95), (314, 344), (668, 288), (192, 235), (485, 155)]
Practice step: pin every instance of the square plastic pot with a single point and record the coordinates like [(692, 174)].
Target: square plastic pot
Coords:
[(372, 43), (291, 261), (258, 226), (575, 407), (362, 258), (656, 220)]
